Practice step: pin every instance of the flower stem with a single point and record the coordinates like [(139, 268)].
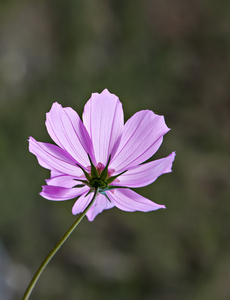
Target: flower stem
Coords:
[(57, 247)]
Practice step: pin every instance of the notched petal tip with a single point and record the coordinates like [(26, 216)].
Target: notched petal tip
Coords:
[(55, 104), (172, 156), (30, 139), (32, 144), (105, 92), (54, 107)]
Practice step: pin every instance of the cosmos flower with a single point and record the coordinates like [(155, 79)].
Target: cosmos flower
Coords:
[(101, 152)]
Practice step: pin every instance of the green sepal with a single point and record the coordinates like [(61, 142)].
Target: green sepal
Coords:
[(90, 191), (104, 173), (85, 173), (112, 178), (94, 173), (84, 181), (79, 185)]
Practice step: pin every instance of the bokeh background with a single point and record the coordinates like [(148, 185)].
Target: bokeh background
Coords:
[(170, 56)]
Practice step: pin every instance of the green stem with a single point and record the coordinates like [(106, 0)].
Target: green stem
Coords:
[(57, 247)]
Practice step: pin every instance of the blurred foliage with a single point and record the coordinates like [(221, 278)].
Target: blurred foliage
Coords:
[(168, 56)]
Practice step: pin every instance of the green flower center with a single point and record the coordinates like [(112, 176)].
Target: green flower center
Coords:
[(98, 178), (98, 182)]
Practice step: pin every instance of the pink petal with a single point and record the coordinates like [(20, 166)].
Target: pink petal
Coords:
[(145, 174), (81, 203), (67, 131), (99, 205), (141, 138), (63, 181), (58, 193), (128, 200), (54, 173), (103, 118), (54, 158)]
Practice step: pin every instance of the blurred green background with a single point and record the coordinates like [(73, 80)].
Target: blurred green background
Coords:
[(168, 56)]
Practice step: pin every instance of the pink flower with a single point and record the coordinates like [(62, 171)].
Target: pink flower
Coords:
[(101, 152)]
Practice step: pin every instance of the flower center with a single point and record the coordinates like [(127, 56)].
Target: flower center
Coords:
[(99, 177), (98, 182)]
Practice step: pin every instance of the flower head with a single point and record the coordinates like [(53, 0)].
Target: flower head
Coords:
[(101, 152)]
